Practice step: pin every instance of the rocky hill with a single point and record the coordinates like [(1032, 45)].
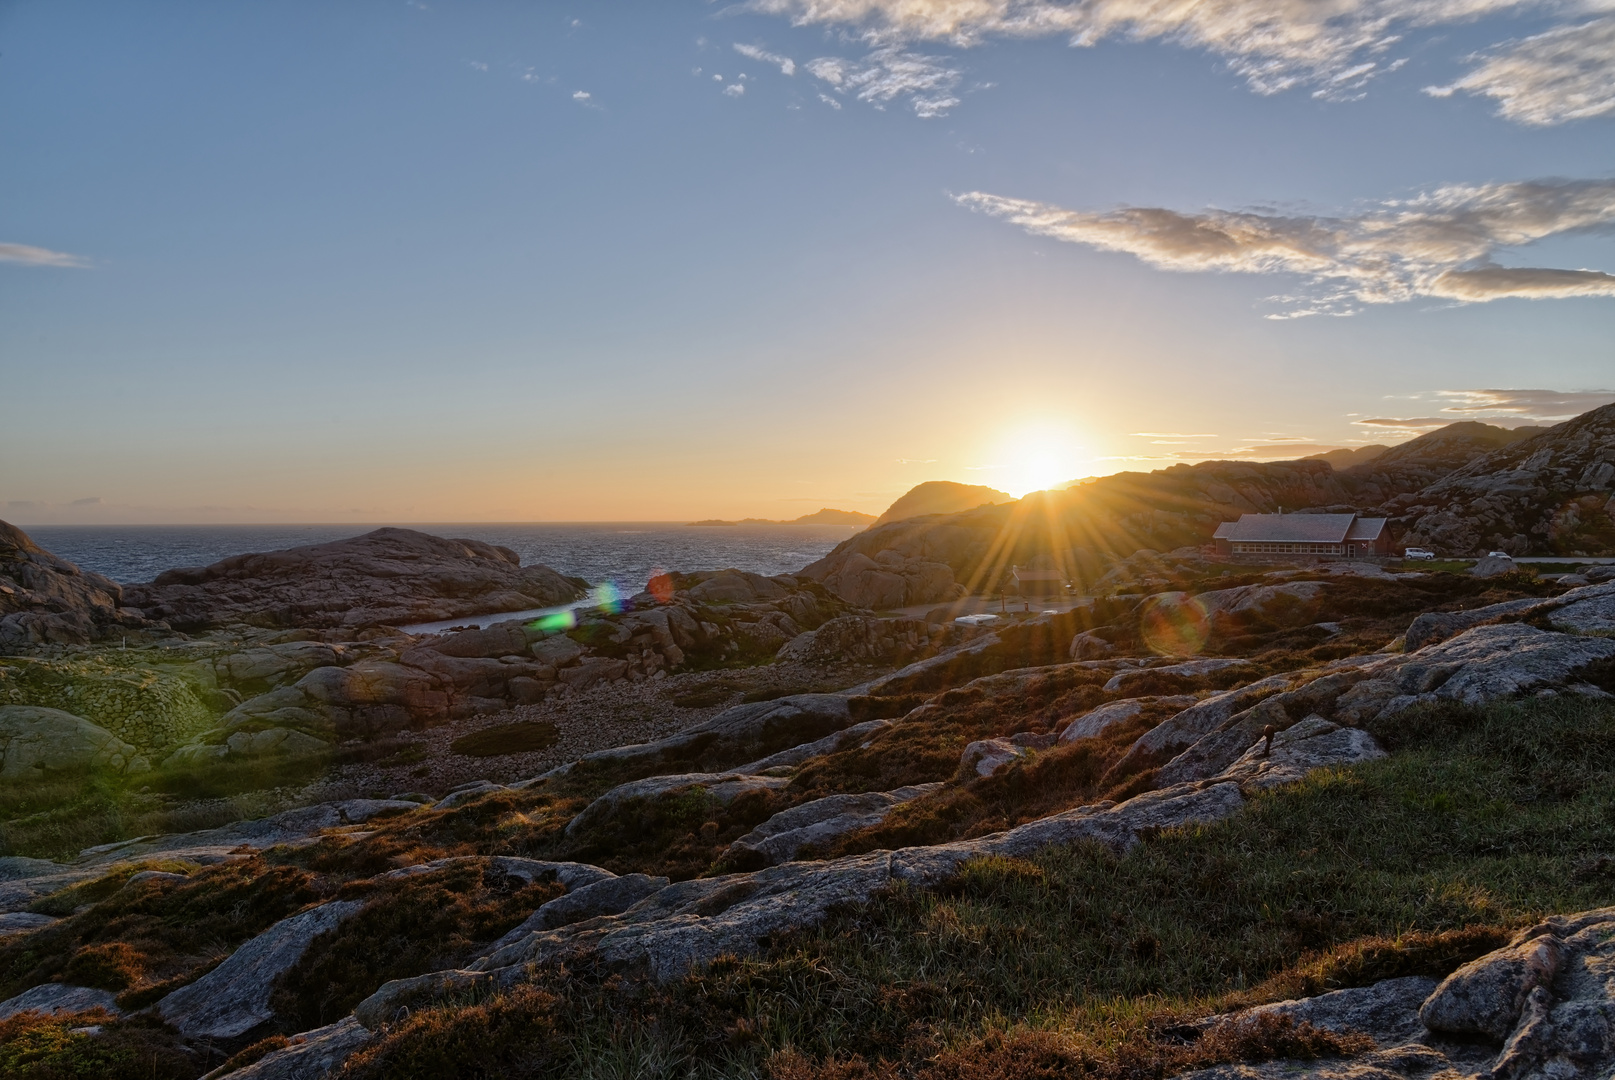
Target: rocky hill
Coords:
[(388, 577), (1419, 462), (1552, 492), (941, 497), (1346, 457)]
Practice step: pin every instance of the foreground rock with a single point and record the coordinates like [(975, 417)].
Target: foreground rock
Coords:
[(1542, 1008), (233, 998), (389, 577)]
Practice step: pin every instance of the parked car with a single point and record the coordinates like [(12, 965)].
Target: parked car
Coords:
[(1499, 555), (1422, 554)]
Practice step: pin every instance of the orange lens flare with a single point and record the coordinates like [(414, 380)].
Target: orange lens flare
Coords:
[(1174, 625)]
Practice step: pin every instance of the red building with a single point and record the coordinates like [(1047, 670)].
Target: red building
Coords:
[(1321, 536)]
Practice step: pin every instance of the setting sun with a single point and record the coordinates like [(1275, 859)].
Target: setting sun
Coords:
[(1036, 457)]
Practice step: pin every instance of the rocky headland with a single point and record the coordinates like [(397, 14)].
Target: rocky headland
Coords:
[(1213, 820)]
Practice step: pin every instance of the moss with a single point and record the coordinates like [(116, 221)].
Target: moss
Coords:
[(520, 738), (38, 1047)]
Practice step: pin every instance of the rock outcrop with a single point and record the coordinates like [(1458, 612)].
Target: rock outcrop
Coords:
[(46, 600), (36, 743), (389, 577)]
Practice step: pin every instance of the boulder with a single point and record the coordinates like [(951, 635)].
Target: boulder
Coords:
[(1493, 566), (1485, 997), (313, 1054), (856, 735), (817, 823), (1188, 669), (1314, 743), (389, 577), (233, 998), (737, 734), (1099, 720), (53, 998), (889, 579), (608, 896), (732, 587), (986, 756), (856, 637), (1090, 646), (720, 788), (500, 639), (37, 742)]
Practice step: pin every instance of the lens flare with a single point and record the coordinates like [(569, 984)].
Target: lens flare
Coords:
[(557, 622), (1174, 625), (660, 586), (608, 598)]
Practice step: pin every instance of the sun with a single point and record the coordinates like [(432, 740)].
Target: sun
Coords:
[(1036, 456)]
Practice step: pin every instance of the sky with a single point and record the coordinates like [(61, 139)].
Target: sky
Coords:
[(531, 261)]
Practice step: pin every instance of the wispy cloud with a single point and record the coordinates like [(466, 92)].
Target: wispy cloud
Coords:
[(1567, 73), (1335, 47), (1439, 244), (1169, 435), (38, 256), (786, 65), (1536, 406), (888, 73)]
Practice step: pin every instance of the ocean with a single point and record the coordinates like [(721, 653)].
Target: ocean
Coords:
[(623, 553)]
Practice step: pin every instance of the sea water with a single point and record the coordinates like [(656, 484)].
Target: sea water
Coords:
[(625, 554)]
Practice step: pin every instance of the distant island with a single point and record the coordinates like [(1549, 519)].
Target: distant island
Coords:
[(850, 518)]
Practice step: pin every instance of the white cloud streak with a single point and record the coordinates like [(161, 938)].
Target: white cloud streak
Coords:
[(38, 256), (786, 65), (1567, 73), (891, 72), (1440, 244), (1334, 46)]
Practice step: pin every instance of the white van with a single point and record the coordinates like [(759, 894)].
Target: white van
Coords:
[(1421, 554)]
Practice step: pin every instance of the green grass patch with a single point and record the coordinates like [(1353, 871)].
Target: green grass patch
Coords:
[(1482, 820)]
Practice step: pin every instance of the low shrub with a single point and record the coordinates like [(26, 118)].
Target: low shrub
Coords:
[(34, 1046)]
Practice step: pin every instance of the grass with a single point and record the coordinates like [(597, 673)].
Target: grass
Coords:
[(36, 1047), (156, 933), (1482, 820), (408, 927)]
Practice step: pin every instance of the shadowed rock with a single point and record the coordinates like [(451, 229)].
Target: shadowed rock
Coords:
[(388, 577)]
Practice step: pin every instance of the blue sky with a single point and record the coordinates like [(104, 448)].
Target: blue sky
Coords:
[(537, 261)]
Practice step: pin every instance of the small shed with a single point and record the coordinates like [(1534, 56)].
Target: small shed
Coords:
[(1037, 581)]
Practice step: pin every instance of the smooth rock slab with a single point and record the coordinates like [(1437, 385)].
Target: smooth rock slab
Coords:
[(233, 998), (821, 821), (311, 1055), (22, 922), (1099, 720), (53, 998)]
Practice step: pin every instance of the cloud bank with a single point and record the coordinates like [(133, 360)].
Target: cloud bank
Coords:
[(1333, 46), (1441, 244), (38, 256)]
